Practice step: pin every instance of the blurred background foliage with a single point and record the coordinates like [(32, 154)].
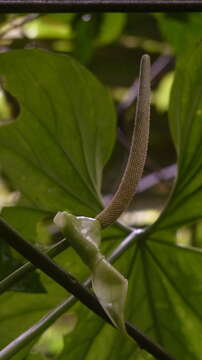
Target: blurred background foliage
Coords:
[(110, 45)]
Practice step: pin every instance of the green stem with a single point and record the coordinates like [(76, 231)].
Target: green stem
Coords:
[(19, 273), (28, 267), (50, 268)]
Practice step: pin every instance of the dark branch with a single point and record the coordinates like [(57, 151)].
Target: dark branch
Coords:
[(98, 5), (28, 267), (44, 263), (67, 281)]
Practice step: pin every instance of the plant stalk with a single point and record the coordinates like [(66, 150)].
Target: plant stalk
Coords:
[(28, 267)]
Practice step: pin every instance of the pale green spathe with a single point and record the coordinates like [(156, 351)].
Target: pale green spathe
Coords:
[(108, 284)]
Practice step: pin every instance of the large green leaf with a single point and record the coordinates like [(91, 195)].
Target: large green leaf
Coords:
[(55, 151), (54, 154), (170, 277), (164, 301), (185, 116)]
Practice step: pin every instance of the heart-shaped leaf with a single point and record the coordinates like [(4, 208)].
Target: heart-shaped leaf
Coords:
[(55, 150), (54, 153)]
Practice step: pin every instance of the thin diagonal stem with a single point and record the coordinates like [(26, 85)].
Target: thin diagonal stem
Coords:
[(28, 267), (54, 271), (29, 335)]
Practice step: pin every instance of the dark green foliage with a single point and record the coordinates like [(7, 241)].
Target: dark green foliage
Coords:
[(54, 154)]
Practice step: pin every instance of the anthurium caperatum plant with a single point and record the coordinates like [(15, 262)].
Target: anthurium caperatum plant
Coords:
[(54, 154)]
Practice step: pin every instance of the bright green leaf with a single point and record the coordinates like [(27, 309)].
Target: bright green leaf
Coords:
[(55, 151), (47, 155), (185, 116)]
